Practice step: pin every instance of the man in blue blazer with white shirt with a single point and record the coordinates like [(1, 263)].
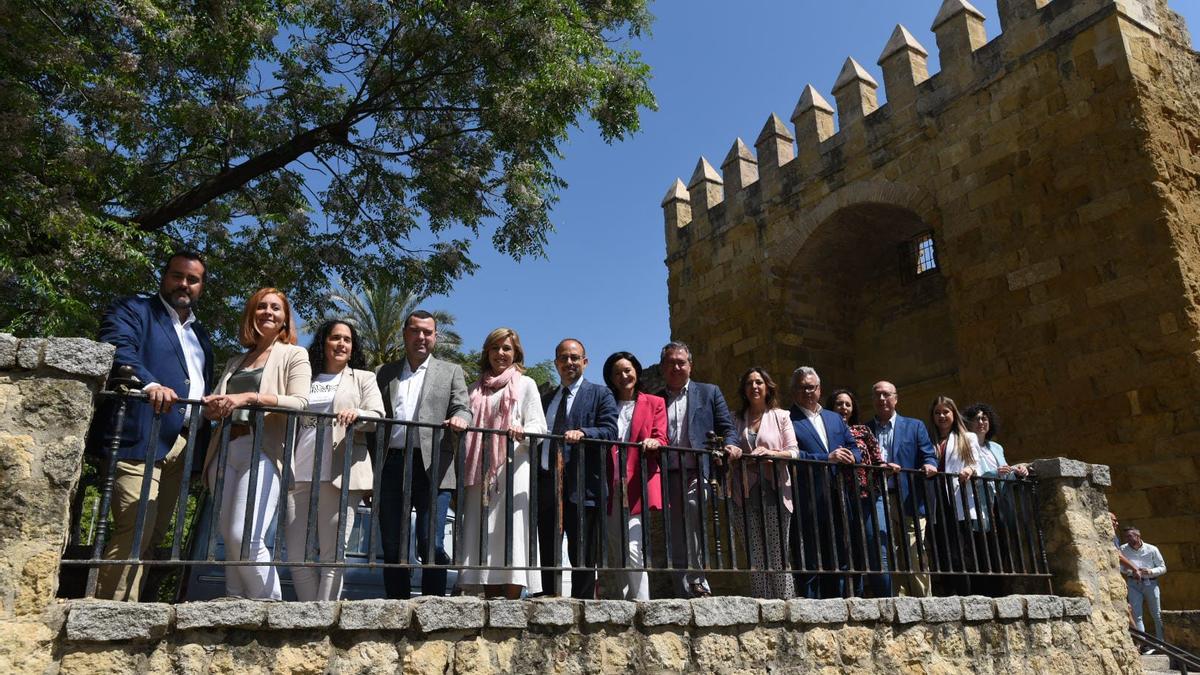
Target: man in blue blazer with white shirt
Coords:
[(905, 444), (823, 436), (575, 410), (693, 410), (158, 339)]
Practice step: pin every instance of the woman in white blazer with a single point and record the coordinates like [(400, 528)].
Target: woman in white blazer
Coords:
[(272, 372), (341, 385), (959, 453)]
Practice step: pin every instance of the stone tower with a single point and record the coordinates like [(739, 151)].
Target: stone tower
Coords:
[(1020, 228)]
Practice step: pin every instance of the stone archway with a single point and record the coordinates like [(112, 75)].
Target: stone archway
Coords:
[(857, 309)]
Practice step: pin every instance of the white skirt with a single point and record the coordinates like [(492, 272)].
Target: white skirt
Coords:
[(497, 524)]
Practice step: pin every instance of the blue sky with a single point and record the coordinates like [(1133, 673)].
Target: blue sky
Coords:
[(719, 68)]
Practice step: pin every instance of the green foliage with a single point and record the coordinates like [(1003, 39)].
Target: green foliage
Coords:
[(291, 142), (378, 311)]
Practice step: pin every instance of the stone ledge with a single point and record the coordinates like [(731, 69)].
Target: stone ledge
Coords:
[(612, 612), (222, 614), (1010, 607), (1060, 467), (942, 610), (1077, 607), (724, 611), (71, 355), (108, 621), (508, 614), (553, 611), (862, 609), (1100, 475), (908, 610), (438, 614), (301, 615), (665, 612), (772, 611), (1043, 606), (978, 608), (818, 611), (375, 615)]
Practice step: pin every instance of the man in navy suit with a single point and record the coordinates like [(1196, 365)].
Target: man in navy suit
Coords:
[(905, 444), (575, 410), (693, 410), (821, 435), (158, 338)]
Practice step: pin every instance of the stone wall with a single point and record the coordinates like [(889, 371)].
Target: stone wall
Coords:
[(46, 391), (1056, 167), (1017, 634), (1182, 628)]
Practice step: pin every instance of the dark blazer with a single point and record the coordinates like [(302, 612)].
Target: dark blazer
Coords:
[(141, 329), (707, 411), (911, 449), (595, 413), (836, 431), (443, 395)]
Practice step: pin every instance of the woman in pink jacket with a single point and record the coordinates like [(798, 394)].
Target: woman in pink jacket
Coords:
[(762, 486)]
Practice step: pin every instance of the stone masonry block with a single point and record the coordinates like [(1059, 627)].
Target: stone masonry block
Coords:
[(79, 356), (978, 608), (675, 612), (1010, 607), (613, 612), (1043, 606), (942, 610), (220, 614), (772, 611), (508, 614), (92, 621), (1101, 477), (1060, 467), (8, 351), (375, 615), (908, 610), (29, 353), (802, 610), (553, 612), (300, 615), (724, 611), (1077, 607), (462, 613), (887, 609), (863, 609)]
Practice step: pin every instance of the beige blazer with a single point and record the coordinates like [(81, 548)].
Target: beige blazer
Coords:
[(288, 375), (357, 390)]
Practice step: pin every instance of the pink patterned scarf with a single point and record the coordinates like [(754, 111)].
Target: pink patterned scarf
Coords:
[(488, 418)]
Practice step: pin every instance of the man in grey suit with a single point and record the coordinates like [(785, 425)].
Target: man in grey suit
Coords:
[(419, 388)]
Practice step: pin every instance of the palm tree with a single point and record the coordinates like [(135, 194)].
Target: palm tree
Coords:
[(378, 310)]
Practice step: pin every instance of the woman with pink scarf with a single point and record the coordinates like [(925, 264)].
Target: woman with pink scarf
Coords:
[(502, 398)]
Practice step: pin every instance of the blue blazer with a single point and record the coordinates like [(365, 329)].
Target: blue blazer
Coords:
[(911, 449), (836, 432), (707, 411), (595, 413), (142, 331)]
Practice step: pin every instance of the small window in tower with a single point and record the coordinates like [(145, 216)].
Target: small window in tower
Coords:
[(923, 251)]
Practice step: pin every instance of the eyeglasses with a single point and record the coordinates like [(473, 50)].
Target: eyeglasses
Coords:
[(808, 388)]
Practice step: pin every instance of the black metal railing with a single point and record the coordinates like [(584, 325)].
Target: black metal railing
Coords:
[(810, 519)]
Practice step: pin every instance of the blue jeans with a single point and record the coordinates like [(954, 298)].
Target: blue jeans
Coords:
[(397, 581), (1146, 590), (875, 524)]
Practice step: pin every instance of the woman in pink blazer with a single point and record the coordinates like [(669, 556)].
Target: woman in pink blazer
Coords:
[(760, 484), (642, 419)]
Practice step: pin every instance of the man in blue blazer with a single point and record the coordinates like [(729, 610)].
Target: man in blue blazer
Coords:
[(575, 410), (822, 436), (905, 444), (158, 338), (693, 410)]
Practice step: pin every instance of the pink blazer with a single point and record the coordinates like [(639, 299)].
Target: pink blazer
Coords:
[(649, 421), (775, 432)]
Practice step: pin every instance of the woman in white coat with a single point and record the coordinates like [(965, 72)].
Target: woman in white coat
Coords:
[(341, 385), (502, 398), (272, 372), (959, 452)]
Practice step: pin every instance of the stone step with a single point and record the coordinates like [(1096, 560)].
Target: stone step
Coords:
[(1159, 663)]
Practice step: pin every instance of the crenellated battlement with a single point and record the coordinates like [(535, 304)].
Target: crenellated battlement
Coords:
[(784, 158)]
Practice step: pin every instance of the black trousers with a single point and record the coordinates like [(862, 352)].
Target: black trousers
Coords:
[(397, 582), (583, 546)]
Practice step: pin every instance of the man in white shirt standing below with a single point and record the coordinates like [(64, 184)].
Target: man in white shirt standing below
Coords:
[(1143, 583), (419, 388)]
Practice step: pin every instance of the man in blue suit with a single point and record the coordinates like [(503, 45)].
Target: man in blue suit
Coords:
[(158, 338), (905, 444), (693, 410), (821, 435), (577, 409)]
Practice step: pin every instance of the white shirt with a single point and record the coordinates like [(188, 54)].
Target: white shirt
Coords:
[(677, 426), (193, 356), (624, 419), (404, 402), (818, 424), (1147, 557), (320, 399), (886, 436), (552, 415)]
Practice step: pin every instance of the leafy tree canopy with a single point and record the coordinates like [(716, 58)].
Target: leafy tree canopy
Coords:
[(290, 141)]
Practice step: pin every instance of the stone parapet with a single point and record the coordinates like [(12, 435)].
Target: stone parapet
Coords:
[(721, 634)]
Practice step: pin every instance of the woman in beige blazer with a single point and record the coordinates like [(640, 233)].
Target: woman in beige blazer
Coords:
[(341, 385), (273, 372)]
